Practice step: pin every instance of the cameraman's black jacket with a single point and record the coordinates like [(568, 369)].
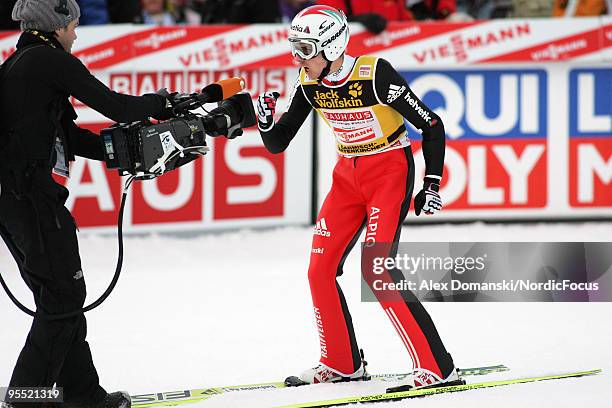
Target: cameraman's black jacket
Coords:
[(35, 111)]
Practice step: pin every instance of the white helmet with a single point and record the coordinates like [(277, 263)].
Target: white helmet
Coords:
[(316, 29)]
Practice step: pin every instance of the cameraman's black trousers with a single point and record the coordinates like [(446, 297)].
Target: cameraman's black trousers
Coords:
[(41, 235)]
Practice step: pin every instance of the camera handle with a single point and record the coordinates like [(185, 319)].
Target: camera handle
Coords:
[(108, 290)]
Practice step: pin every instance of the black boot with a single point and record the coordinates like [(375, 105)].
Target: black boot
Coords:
[(117, 399)]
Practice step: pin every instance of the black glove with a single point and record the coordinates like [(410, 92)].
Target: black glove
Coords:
[(172, 100), (266, 106), (374, 23), (165, 114), (428, 200), (168, 111)]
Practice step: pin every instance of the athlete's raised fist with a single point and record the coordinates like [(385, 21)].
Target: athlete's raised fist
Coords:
[(266, 106)]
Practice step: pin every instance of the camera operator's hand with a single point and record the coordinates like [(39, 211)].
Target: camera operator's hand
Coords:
[(168, 111), (166, 114), (172, 100), (428, 199), (266, 105)]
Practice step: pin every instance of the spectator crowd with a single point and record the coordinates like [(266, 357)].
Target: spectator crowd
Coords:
[(373, 14)]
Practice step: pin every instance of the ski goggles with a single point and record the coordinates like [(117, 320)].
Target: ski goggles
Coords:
[(303, 48)]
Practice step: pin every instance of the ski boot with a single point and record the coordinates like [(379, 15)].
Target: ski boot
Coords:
[(324, 374), (119, 399), (422, 378)]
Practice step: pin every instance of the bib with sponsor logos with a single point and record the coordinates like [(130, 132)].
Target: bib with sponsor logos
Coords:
[(362, 125)]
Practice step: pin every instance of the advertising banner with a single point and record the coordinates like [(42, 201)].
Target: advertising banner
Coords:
[(526, 106)]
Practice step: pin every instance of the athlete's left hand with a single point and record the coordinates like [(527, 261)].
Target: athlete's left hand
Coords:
[(428, 199)]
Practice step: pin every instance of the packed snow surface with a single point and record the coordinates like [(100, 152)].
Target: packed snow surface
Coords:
[(234, 308)]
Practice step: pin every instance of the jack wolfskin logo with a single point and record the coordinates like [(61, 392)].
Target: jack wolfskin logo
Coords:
[(355, 89)]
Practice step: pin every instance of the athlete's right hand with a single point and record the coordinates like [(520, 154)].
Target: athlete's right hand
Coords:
[(266, 105)]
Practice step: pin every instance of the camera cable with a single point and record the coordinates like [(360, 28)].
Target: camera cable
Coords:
[(109, 289)]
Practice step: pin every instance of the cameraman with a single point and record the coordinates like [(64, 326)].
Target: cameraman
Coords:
[(38, 134)]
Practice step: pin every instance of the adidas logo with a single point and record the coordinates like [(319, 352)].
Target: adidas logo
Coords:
[(321, 228), (394, 92)]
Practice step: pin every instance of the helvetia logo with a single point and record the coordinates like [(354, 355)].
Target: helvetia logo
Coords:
[(419, 110), (395, 91), (300, 29), (321, 228)]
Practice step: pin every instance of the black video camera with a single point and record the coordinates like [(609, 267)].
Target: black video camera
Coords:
[(146, 150)]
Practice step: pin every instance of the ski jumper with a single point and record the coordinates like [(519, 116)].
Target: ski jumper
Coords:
[(365, 104)]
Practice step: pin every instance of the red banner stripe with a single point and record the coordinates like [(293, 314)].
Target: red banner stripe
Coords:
[(130, 46), (558, 50), (365, 43), (398, 34), (4, 34), (606, 36)]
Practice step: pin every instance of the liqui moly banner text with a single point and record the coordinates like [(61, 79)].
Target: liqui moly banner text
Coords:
[(497, 136)]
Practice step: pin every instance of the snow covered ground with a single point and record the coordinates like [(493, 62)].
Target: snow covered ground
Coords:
[(234, 308)]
